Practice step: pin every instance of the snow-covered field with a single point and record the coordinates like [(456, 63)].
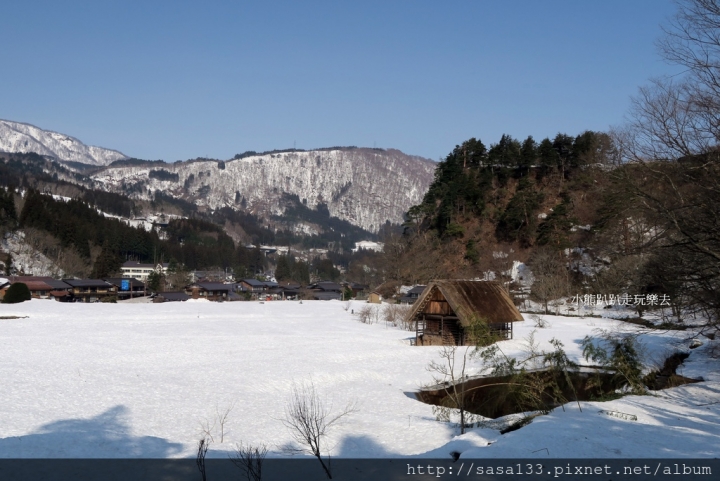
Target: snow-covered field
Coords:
[(139, 380)]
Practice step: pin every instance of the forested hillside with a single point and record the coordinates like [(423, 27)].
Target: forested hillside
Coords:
[(103, 243), (62, 216), (584, 218)]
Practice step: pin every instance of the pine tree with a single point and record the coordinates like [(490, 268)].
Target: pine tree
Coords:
[(528, 155), (283, 270), (17, 292), (555, 228)]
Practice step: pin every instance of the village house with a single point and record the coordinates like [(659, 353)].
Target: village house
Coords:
[(175, 296), (355, 287), (412, 295), (90, 290), (326, 291), (290, 290), (141, 271), (40, 286), (212, 291), (127, 288), (253, 286), (4, 284), (446, 310)]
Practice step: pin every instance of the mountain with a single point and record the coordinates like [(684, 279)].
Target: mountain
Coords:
[(366, 187), (24, 138)]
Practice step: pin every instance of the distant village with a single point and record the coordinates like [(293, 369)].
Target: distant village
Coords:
[(216, 286)]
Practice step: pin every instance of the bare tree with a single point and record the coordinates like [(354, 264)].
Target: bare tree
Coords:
[(691, 40), (368, 314), (207, 427), (674, 176), (396, 315), (308, 418), (501, 264), (178, 278), (222, 418), (203, 446), (551, 276), (450, 374), (250, 459)]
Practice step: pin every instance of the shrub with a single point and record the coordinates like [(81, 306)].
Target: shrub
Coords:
[(396, 315), (17, 292), (368, 314)]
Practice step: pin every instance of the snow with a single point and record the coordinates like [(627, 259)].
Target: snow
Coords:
[(26, 259), (369, 245), (137, 380), (365, 188), (22, 137)]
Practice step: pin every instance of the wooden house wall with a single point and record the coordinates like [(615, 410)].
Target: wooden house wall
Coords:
[(437, 305), (431, 328)]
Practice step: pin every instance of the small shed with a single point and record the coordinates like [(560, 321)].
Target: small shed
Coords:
[(375, 298), (446, 308)]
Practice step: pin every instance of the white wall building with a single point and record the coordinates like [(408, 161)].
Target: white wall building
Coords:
[(141, 271)]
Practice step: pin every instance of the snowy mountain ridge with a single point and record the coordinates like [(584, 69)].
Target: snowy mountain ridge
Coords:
[(24, 138), (366, 187)]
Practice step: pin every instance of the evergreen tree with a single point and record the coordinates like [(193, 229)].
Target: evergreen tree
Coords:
[(17, 292), (107, 263), (519, 220), (555, 228), (474, 153), (325, 270), (8, 264), (301, 272), (155, 281), (528, 155), (563, 145), (8, 215), (283, 270), (547, 157), (505, 153)]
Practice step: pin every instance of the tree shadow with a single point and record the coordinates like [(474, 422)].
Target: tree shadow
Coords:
[(106, 435)]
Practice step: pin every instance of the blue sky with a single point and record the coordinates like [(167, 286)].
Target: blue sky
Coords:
[(176, 80)]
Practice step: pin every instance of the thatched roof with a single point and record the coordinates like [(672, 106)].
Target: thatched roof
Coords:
[(486, 299)]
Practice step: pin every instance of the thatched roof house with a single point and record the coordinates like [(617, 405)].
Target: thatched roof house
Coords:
[(447, 308)]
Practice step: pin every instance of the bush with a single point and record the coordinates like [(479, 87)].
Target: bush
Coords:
[(396, 315), (368, 314), (112, 299), (17, 292)]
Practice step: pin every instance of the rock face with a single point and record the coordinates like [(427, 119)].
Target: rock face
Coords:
[(24, 138), (366, 187)]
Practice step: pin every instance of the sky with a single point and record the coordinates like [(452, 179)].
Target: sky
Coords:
[(175, 80)]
